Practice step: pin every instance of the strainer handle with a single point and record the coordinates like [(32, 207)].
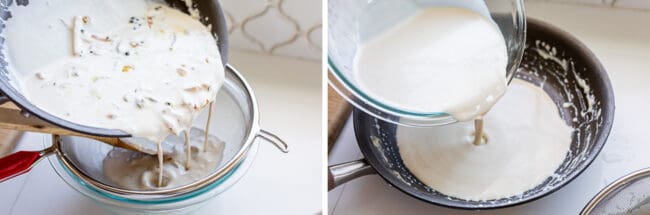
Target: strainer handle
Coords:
[(20, 162), (272, 138)]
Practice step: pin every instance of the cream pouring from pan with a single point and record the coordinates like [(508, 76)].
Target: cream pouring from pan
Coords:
[(150, 32), (212, 15)]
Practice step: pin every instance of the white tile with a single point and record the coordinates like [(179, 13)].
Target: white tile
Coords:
[(307, 12), (46, 193), (344, 150), (289, 95), (261, 25), (300, 49), (315, 35), (633, 4), (242, 9), (32, 142), (10, 192), (604, 3), (12, 188), (271, 29), (239, 42)]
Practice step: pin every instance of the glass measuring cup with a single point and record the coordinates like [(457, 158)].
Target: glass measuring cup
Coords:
[(350, 22)]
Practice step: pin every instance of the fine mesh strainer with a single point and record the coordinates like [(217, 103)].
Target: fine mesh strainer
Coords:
[(235, 120), (627, 195)]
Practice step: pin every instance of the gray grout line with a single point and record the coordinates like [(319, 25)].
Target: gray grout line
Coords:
[(336, 204), (359, 154), (22, 188), (610, 6), (27, 177)]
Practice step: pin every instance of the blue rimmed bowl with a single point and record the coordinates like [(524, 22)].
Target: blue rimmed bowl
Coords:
[(235, 120)]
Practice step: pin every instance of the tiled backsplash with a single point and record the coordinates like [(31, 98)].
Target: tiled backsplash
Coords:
[(627, 4), (294, 27), (279, 27)]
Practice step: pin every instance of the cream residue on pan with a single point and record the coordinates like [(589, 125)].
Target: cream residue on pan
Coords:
[(194, 12), (526, 142), (578, 106)]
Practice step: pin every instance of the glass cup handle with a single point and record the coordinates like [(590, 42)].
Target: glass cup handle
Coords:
[(272, 138)]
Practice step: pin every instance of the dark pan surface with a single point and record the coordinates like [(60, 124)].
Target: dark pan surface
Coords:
[(207, 8), (559, 79)]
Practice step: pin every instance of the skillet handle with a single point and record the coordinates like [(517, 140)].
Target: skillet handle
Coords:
[(341, 173), (20, 162)]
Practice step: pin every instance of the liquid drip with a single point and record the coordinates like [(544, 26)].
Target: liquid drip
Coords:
[(188, 149), (479, 135), (207, 126), (160, 164), (137, 171)]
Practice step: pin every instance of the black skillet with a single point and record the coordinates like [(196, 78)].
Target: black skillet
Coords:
[(207, 8), (382, 157)]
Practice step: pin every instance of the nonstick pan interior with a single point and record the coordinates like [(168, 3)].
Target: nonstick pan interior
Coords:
[(563, 68)]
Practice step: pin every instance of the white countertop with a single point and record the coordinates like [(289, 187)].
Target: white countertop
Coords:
[(621, 40), (289, 95)]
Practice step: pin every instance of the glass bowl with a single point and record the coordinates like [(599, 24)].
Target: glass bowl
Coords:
[(183, 204), (79, 161), (349, 18)]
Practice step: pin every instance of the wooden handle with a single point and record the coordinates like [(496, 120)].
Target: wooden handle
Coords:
[(12, 119), (338, 111)]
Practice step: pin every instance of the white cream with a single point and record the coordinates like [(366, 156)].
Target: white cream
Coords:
[(148, 76), (527, 142), (449, 60), (137, 66)]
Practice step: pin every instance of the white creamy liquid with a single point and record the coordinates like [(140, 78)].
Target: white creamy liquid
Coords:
[(137, 66), (527, 142), (449, 60), (149, 74)]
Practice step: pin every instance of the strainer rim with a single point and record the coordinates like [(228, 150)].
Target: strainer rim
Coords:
[(152, 195)]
